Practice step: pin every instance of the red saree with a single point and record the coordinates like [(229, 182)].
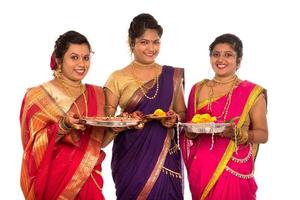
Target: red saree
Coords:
[(226, 171), (68, 168)]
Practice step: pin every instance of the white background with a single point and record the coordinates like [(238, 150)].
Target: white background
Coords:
[(268, 29)]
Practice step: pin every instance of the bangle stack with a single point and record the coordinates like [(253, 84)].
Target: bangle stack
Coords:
[(63, 128)]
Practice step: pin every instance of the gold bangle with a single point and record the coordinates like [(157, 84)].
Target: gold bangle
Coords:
[(109, 106)]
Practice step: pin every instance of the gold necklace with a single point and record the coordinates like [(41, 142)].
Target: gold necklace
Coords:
[(142, 86), (143, 65), (70, 84), (224, 82), (82, 92), (227, 103), (67, 86), (141, 82)]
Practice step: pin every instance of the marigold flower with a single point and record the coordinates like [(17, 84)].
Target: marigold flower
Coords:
[(159, 112), (203, 118)]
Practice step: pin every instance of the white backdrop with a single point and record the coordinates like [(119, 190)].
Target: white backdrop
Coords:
[(267, 29)]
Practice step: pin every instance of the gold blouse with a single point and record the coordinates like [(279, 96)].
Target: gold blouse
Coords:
[(123, 85)]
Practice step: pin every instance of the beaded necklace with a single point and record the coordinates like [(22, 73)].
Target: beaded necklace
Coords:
[(228, 99), (141, 85)]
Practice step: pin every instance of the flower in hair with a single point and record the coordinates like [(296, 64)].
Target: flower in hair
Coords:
[(53, 64)]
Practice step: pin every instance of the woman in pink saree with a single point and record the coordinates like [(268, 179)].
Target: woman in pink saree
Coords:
[(62, 157), (222, 167)]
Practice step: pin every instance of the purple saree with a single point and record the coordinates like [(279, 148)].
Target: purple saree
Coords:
[(146, 164)]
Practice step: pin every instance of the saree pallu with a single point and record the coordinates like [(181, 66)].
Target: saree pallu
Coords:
[(226, 171), (146, 164), (58, 169)]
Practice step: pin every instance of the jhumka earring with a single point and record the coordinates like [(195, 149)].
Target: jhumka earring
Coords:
[(57, 72)]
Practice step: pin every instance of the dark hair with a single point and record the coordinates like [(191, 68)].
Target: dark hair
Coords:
[(233, 41), (138, 26), (63, 42)]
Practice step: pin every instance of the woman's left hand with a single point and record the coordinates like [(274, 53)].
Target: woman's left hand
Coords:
[(228, 132), (73, 121), (169, 121)]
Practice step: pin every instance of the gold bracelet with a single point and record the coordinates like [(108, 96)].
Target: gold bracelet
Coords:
[(109, 106)]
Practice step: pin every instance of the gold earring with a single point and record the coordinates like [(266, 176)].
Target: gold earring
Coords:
[(57, 72)]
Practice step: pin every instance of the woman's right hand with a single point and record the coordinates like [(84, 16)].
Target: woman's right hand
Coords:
[(135, 115), (138, 115)]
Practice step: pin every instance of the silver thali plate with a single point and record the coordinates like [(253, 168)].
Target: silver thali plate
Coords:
[(201, 128), (116, 122)]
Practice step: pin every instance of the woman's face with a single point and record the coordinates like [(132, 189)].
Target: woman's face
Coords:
[(147, 47), (76, 62), (223, 60)]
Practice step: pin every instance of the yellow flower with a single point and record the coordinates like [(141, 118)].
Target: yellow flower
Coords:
[(159, 112), (203, 118)]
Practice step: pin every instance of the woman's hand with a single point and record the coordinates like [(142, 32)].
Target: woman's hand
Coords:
[(169, 121), (228, 132), (237, 134), (73, 121), (138, 115)]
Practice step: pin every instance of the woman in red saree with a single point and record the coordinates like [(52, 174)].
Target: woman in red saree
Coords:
[(62, 157), (146, 163), (224, 169)]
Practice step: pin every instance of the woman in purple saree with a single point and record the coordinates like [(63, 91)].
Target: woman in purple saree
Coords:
[(146, 162)]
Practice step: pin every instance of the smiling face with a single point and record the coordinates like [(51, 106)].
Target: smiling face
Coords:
[(223, 60), (146, 48), (76, 62)]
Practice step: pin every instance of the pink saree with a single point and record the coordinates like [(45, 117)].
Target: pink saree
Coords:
[(226, 171), (68, 168)]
